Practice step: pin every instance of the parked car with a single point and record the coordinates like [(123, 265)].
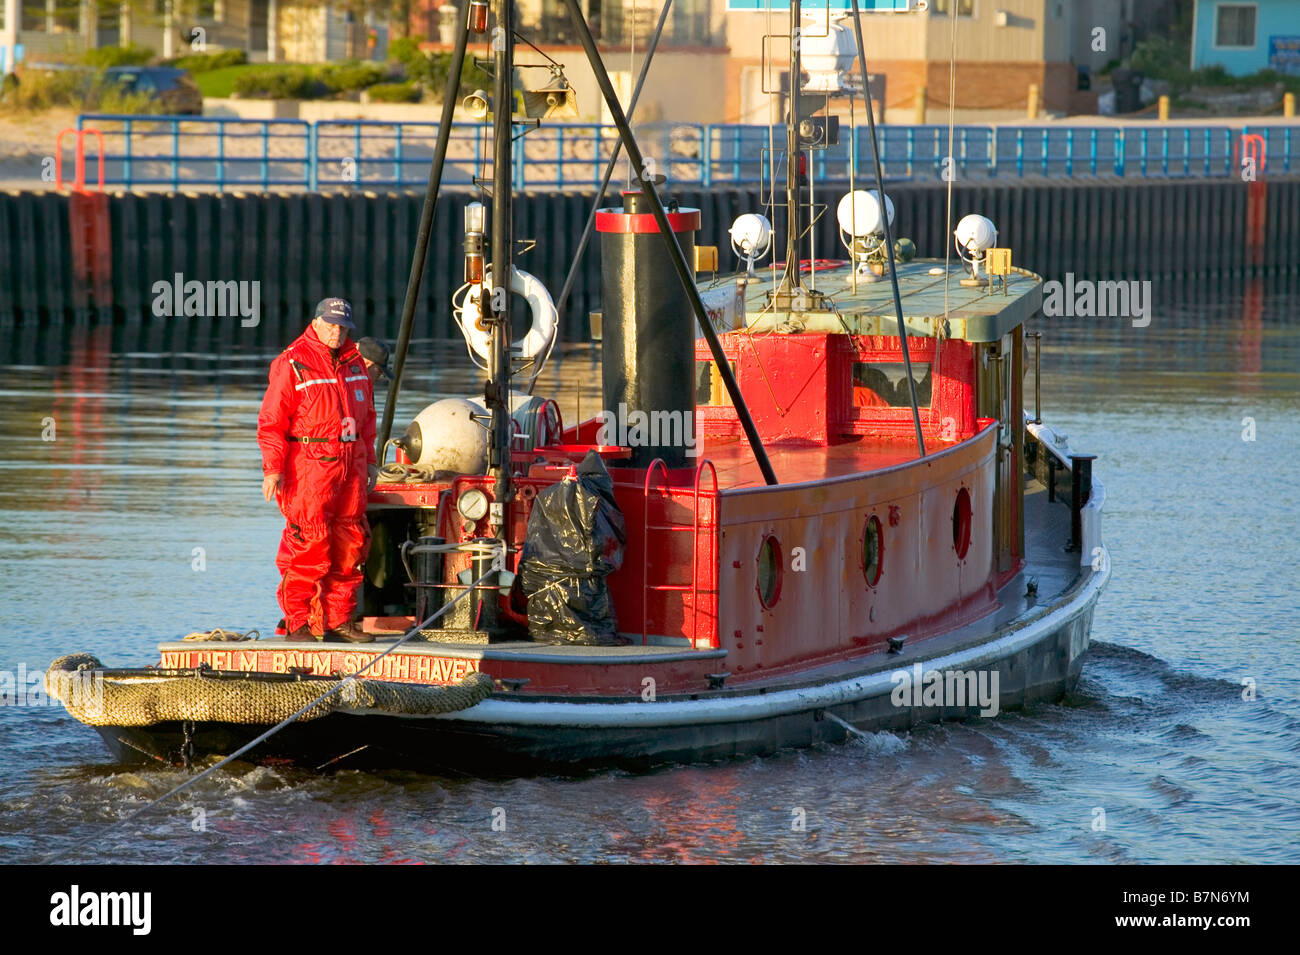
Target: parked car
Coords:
[(174, 89)]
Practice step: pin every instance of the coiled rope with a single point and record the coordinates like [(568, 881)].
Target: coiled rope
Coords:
[(228, 636)]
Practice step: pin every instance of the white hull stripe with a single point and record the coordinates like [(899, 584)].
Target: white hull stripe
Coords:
[(754, 706)]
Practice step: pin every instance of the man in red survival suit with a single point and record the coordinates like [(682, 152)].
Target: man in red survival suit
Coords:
[(316, 430)]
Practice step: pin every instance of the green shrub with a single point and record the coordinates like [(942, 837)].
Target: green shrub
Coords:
[(278, 84), (202, 62), (106, 56), (353, 75), (431, 68), (42, 89), (434, 75), (82, 90), (110, 97), (1159, 58), (406, 92), (406, 49), (1213, 75)]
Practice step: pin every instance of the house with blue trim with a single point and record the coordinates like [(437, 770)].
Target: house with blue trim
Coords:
[(1246, 36)]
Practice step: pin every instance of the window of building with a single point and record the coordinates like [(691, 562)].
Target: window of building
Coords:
[(884, 384), (965, 8), (866, 6), (1234, 25)]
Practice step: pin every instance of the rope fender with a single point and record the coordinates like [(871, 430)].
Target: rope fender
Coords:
[(147, 699)]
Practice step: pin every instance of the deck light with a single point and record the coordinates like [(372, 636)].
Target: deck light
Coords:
[(974, 236), (862, 227), (751, 234), (478, 16), (477, 104)]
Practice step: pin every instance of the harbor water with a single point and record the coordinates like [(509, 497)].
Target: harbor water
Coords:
[(130, 512)]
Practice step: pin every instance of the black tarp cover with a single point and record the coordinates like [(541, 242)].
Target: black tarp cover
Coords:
[(576, 536)]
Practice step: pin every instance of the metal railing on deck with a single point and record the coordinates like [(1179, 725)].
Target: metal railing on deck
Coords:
[(185, 151)]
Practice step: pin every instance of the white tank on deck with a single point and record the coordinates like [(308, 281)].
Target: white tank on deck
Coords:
[(446, 437)]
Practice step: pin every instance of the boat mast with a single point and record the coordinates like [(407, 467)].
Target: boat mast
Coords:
[(495, 304), (791, 285)]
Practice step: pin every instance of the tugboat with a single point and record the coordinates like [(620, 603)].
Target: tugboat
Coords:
[(813, 505)]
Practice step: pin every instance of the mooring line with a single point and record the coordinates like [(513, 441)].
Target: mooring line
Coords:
[(274, 729)]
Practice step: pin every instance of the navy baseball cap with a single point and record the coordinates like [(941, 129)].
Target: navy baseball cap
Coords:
[(336, 311)]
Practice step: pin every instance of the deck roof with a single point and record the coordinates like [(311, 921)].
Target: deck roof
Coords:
[(974, 314)]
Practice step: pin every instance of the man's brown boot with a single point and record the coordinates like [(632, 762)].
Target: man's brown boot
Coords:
[(349, 633), (302, 635)]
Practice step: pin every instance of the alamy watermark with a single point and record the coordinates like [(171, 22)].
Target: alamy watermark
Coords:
[(641, 429), (1088, 299), (176, 297), (75, 907), (950, 689), (82, 689)]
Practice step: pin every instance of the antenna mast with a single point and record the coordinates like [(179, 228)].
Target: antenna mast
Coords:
[(791, 285)]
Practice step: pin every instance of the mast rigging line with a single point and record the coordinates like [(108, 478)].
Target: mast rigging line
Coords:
[(952, 99), (472, 588), (884, 215), (569, 279), (684, 272), (421, 252)]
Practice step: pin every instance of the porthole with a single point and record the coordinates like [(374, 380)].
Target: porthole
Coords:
[(873, 550), (769, 572), (961, 523)]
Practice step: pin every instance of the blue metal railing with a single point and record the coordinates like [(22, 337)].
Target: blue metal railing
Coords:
[(208, 151), (183, 151)]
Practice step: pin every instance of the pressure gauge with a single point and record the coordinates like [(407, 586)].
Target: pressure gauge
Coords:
[(473, 505)]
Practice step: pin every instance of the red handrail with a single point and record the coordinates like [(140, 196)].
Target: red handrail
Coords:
[(645, 543), (80, 165), (646, 527), (695, 580)]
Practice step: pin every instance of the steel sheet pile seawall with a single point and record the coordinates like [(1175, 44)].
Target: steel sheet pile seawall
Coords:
[(360, 243)]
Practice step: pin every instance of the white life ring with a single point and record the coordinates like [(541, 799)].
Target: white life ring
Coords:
[(545, 318)]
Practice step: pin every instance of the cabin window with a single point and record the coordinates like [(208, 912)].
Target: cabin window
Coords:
[(769, 572), (961, 523), (709, 389), (884, 384), (872, 551)]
